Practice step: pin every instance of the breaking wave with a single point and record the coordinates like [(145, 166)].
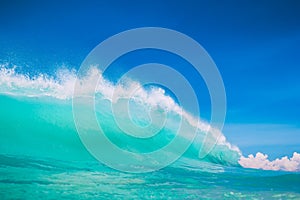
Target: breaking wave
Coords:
[(36, 120)]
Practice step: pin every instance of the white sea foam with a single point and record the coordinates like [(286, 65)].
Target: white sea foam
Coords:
[(261, 161), (14, 83)]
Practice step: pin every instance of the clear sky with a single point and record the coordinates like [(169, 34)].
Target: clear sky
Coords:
[(255, 45)]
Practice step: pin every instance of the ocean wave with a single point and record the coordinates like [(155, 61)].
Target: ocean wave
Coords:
[(61, 87)]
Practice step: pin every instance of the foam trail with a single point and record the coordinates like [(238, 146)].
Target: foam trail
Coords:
[(261, 161)]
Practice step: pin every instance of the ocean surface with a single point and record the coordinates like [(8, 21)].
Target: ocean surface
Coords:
[(43, 157)]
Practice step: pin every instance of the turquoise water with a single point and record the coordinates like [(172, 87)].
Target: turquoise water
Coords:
[(42, 155), (31, 178)]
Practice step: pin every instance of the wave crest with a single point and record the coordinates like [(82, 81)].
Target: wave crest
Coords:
[(60, 86)]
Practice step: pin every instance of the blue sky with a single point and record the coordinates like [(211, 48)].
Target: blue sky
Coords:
[(255, 45)]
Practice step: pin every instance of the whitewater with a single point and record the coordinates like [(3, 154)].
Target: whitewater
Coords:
[(42, 154)]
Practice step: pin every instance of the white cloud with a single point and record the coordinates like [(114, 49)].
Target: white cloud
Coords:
[(261, 161)]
